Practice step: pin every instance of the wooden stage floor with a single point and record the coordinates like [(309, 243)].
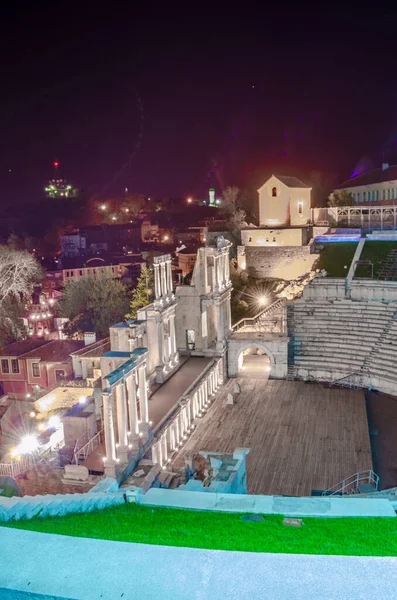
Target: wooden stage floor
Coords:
[(302, 436)]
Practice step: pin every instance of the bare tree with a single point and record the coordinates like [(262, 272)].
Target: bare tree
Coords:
[(230, 196), (18, 272)]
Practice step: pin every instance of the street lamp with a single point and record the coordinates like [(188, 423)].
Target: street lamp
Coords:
[(189, 200)]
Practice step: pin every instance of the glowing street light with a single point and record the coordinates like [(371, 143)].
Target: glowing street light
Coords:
[(28, 445), (189, 200), (103, 207), (262, 300)]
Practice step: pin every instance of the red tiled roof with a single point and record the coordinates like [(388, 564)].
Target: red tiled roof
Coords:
[(55, 351), (94, 350), (21, 347), (375, 176)]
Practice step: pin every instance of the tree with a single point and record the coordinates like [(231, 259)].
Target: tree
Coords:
[(230, 197), (12, 327), (143, 292), (340, 198), (93, 304), (19, 270)]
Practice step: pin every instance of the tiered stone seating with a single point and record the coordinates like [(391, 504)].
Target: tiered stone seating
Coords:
[(382, 362), (333, 338)]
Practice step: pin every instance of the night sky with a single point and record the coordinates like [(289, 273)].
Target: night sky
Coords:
[(168, 103)]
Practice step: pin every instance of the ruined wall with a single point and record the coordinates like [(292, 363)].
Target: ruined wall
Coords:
[(288, 262)]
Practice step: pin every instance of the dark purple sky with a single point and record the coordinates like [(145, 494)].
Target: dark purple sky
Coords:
[(239, 94)]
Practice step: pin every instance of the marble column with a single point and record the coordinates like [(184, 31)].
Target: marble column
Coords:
[(165, 448), (110, 447), (173, 336), (157, 285), (133, 412), (160, 341), (220, 334), (122, 422), (143, 399), (177, 432), (163, 280), (169, 277), (227, 268)]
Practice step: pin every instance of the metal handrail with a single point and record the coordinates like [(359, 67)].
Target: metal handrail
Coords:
[(369, 476), (87, 448), (18, 466), (242, 322), (361, 371)]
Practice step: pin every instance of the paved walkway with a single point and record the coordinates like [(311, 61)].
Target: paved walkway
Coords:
[(167, 395), (79, 568)]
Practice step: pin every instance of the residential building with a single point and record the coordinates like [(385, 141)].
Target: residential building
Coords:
[(378, 185), (28, 366)]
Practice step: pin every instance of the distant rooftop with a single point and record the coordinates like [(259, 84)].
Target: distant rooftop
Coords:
[(94, 350), (21, 347), (55, 351), (292, 182), (376, 176)]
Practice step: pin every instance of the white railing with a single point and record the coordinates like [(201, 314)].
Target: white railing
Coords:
[(19, 466), (351, 483), (86, 449), (256, 321), (177, 425)]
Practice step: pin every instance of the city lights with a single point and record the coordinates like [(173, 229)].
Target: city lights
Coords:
[(189, 200), (28, 445), (82, 400)]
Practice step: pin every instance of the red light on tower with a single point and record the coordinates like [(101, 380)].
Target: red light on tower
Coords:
[(56, 164)]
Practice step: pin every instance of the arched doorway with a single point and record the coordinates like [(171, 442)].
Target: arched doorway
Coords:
[(254, 362)]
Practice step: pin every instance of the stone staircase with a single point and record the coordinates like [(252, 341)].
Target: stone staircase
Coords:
[(375, 350)]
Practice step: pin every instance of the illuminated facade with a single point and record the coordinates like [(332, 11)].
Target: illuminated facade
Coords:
[(58, 188), (284, 202)]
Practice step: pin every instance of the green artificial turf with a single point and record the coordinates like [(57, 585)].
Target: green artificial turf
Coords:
[(335, 256), (376, 252), (225, 531)]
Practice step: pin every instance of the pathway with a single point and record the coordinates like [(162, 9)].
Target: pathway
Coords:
[(166, 396), (92, 569)]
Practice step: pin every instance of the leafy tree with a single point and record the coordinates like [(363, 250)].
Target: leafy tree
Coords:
[(340, 198), (143, 292), (11, 324), (93, 304)]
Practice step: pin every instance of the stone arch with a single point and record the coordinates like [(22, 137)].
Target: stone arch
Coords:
[(256, 344)]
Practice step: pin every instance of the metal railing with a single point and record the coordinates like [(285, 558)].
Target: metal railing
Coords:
[(351, 483), (16, 467), (356, 378), (81, 453), (251, 321)]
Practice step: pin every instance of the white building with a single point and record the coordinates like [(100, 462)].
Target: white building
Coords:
[(284, 202), (374, 186)]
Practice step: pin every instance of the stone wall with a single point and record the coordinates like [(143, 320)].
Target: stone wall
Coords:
[(49, 505), (276, 347), (288, 262)]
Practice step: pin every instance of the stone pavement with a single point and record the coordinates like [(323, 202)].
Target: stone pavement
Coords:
[(169, 393), (79, 568)]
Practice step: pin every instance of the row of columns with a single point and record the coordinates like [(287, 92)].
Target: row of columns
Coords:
[(162, 278), (221, 270), (130, 429), (192, 407)]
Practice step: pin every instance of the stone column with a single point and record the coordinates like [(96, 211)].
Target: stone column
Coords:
[(110, 447), (169, 276), (143, 399), (163, 280), (160, 341), (227, 267), (157, 287), (133, 412), (166, 346), (173, 336), (165, 448), (122, 422), (220, 334), (155, 459), (177, 432)]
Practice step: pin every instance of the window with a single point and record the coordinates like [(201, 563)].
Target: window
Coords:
[(36, 369), (81, 273), (274, 192), (383, 194), (274, 239), (15, 365), (250, 239), (364, 196), (388, 194), (190, 338), (59, 374), (300, 208), (5, 367), (392, 193), (358, 197)]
